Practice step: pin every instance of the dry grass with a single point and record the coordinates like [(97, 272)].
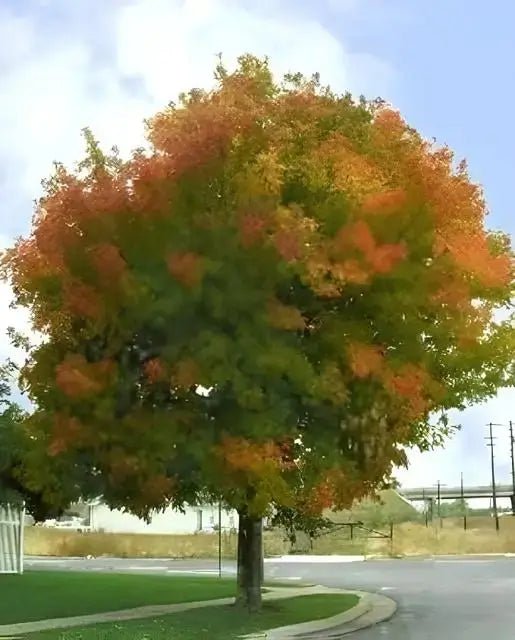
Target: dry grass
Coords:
[(410, 539), (413, 539), (42, 541)]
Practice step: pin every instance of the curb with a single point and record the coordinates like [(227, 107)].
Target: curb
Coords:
[(314, 559), (370, 610)]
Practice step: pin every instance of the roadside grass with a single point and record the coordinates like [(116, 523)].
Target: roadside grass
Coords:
[(212, 623), (40, 595), (409, 538), (45, 541)]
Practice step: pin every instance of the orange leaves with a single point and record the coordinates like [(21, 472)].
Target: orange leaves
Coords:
[(337, 488), (186, 374), (183, 375), (252, 229), (320, 498), (365, 359), (410, 383), (241, 464), (454, 293), (351, 271), (108, 261), (292, 233), (78, 378), (26, 263), (186, 267), (67, 432), (360, 236), (154, 370), (353, 172), (457, 205), (82, 300), (471, 253), (253, 459), (123, 466), (389, 123), (155, 487), (287, 245), (380, 259), (384, 257), (384, 202), (197, 135), (285, 317)]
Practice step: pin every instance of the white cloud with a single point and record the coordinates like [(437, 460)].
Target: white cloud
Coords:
[(54, 86), (187, 36)]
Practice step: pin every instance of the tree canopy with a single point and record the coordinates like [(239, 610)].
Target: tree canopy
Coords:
[(16, 449), (287, 283)]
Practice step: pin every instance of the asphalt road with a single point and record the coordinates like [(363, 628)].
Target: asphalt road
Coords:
[(462, 598)]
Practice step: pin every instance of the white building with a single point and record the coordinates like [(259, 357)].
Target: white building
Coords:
[(198, 519)]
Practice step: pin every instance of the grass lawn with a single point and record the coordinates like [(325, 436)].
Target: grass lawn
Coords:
[(211, 623), (39, 595)]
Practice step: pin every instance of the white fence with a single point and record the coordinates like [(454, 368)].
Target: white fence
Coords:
[(12, 518)]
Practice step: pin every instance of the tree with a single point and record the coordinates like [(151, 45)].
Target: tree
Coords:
[(284, 279), (454, 509), (15, 451)]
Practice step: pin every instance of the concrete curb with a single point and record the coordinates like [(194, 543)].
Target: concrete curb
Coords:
[(150, 611), (370, 610)]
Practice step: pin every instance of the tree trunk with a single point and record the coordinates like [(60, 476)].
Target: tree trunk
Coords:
[(242, 553), (250, 556)]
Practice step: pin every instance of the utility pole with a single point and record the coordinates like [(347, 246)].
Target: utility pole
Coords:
[(463, 508), (490, 444), (439, 486), (439, 502), (512, 470)]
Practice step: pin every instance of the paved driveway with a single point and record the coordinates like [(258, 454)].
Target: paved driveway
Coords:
[(439, 599)]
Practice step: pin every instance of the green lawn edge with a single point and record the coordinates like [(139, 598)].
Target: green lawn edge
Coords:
[(42, 595), (212, 623)]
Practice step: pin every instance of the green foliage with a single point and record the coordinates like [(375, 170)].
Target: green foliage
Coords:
[(454, 509), (292, 521), (388, 507)]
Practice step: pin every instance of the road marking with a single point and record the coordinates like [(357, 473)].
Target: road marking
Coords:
[(463, 561), (140, 568), (314, 559), (210, 572), (388, 588), (193, 571)]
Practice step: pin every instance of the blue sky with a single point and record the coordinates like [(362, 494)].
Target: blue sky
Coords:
[(446, 64)]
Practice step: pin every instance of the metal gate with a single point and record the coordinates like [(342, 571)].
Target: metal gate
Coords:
[(12, 518)]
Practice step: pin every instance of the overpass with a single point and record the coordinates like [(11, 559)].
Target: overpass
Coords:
[(455, 493)]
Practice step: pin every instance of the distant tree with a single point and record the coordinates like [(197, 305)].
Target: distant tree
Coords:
[(288, 278), (453, 509)]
